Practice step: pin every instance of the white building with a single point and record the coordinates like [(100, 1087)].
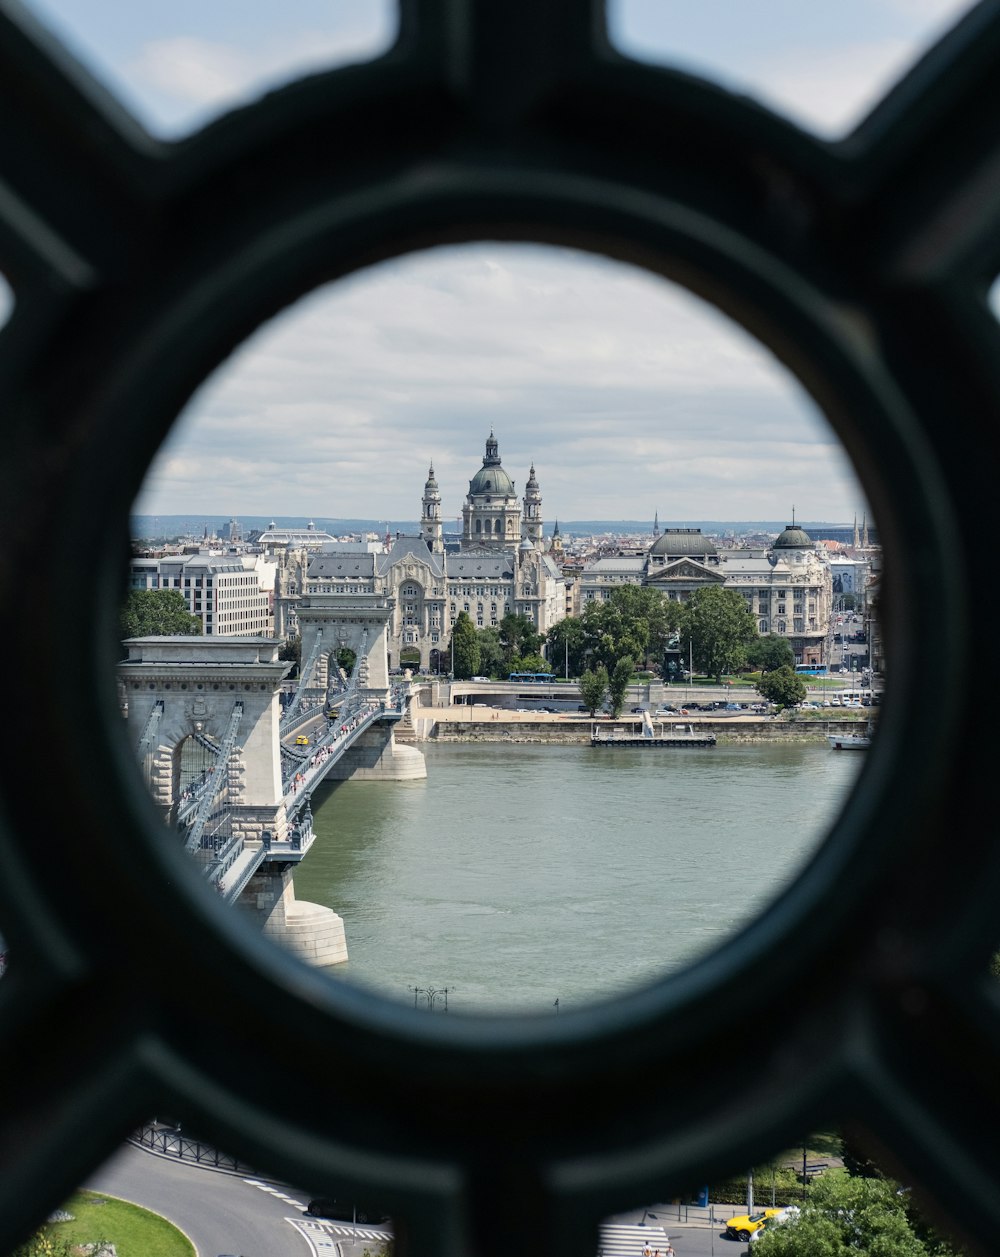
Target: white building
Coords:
[(232, 595), (787, 586)]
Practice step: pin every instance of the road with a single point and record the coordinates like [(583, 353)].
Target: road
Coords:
[(689, 1229), (219, 1212), (226, 1213)]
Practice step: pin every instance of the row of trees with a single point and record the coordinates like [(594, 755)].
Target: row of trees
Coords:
[(634, 628), (714, 631)]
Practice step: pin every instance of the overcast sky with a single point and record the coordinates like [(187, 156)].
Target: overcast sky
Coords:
[(629, 395)]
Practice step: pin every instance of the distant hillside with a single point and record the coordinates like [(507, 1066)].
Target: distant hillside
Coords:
[(196, 526)]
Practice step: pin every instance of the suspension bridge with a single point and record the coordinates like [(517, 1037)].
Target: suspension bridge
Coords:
[(234, 771)]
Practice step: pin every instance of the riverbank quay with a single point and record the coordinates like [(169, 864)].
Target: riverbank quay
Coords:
[(478, 724)]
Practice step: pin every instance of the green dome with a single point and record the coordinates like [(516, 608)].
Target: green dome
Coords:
[(793, 538), (677, 542), (492, 479)]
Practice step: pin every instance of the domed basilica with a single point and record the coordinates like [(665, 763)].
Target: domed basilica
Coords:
[(498, 566)]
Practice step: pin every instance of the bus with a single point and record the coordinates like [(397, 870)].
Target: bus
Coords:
[(811, 669), (532, 678)]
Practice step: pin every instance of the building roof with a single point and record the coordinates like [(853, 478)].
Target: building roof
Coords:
[(675, 542), (616, 563), (332, 565), (412, 548), (793, 538), (491, 477), (481, 564)]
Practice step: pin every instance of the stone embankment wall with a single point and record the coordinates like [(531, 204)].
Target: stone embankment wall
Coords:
[(569, 732)]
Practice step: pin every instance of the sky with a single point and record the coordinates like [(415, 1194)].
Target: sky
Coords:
[(629, 395)]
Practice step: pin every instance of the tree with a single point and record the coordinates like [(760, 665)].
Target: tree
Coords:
[(845, 1217), (783, 686), (767, 653), (157, 613), (466, 647), (717, 627), (528, 663), (292, 651), (566, 644), (492, 661), (518, 637), (594, 687), (619, 683), (633, 621)]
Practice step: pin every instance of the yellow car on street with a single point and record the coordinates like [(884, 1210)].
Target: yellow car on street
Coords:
[(745, 1224), (301, 740)]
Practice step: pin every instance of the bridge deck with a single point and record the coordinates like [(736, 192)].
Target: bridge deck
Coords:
[(328, 749)]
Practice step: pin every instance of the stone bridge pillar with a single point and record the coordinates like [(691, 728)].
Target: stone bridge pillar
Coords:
[(199, 681)]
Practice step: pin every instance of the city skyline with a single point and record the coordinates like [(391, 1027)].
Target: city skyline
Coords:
[(629, 396)]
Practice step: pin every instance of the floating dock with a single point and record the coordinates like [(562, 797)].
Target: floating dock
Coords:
[(651, 735)]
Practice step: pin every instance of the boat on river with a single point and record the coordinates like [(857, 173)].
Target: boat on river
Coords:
[(652, 735), (849, 741)]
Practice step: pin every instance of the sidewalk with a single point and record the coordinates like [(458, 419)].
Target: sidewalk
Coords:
[(678, 1217)]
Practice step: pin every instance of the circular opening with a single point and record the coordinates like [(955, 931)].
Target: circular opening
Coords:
[(501, 812)]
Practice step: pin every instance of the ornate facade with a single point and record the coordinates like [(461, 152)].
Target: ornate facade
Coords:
[(499, 567), (788, 587)]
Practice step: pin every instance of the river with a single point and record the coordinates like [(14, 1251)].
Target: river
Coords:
[(518, 875)]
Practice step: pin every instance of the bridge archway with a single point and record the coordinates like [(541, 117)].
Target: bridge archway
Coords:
[(189, 688), (358, 622)]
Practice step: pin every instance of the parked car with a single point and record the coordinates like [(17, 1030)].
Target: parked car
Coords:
[(327, 1207)]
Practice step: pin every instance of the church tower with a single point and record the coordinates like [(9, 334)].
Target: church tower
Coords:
[(430, 514), (491, 515), (533, 510)]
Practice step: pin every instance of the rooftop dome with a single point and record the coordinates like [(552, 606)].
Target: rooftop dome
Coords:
[(492, 480), (491, 477), (677, 542), (793, 538)]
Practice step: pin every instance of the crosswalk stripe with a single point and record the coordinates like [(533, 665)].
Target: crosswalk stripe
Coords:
[(361, 1232), (618, 1239)]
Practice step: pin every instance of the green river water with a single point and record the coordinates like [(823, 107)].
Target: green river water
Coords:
[(518, 875)]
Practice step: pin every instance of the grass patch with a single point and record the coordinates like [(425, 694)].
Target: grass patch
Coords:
[(135, 1232)]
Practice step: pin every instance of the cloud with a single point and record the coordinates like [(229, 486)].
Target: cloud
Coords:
[(180, 81), (830, 90), (823, 66), (627, 393)]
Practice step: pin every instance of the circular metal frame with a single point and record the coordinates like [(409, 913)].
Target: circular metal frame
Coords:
[(137, 268)]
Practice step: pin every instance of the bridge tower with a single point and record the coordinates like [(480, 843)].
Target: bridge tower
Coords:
[(223, 692), (359, 621)]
